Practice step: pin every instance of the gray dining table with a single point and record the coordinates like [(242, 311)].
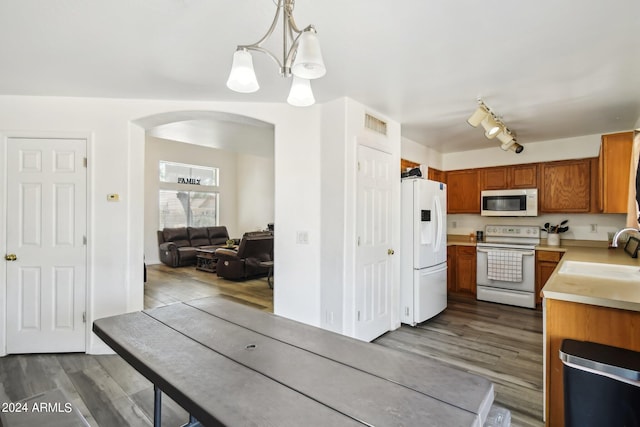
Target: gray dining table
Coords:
[(228, 364)]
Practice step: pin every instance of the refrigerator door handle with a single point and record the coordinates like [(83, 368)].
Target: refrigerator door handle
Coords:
[(438, 209)]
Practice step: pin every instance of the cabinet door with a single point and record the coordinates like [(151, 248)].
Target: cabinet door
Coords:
[(495, 178), (463, 191), (614, 161), (565, 186), (504, 177), (436, 175), (451, 269), (466, 270), (524, 176), (546, 262)]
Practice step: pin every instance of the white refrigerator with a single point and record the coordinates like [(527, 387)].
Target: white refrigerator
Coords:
[(423, 256)]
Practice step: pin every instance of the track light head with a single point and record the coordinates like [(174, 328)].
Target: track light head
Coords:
[(478, 116), (513, 146), (491, 126)]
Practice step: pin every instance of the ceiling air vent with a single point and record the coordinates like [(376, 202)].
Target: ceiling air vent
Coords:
[(375, 124)]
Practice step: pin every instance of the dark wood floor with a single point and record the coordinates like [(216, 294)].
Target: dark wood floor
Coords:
[(498, 342)]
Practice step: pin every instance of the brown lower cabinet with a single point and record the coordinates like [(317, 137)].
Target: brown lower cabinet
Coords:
[(546, 262), (461, 263)]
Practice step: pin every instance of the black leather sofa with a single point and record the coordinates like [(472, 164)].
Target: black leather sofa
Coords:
[(178, 245)]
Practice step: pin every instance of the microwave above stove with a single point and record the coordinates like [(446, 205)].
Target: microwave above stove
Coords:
[(522, 202)]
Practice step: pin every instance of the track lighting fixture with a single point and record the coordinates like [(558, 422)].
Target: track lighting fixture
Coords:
[(513, 146), (301, 57), (494, 127)]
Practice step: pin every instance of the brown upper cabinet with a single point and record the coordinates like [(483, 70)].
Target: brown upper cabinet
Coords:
[(565, 186), (505, 177), (463, 191), (614, 165), (432, 173), (436, 175), (408, 164)]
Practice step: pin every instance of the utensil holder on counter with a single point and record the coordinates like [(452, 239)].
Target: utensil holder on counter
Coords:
[(553, 239)]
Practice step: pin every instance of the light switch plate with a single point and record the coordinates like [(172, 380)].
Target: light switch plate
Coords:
[(302, 238)]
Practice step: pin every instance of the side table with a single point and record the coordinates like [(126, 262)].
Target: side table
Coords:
[(206, 260), (268, 264)]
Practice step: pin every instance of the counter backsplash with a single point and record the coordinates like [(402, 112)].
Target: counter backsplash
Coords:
[(581, 224)]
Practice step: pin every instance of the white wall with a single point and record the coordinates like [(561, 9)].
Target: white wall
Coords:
[(342, 131), (255, 208), (333, 195), (557, 149), (418, 153), (116, 165), (161, 149)]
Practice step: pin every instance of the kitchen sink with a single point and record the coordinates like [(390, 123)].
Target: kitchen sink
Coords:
[(601, 270)]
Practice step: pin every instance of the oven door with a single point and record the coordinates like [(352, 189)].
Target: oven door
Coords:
[(527, 282)]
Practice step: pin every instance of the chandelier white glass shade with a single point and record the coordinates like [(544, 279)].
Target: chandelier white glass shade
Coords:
[(301, 57), (242, 77), (494, 127), (300, 94), (308, 63)]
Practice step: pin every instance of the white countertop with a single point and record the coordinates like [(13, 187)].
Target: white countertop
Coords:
[(590, 290)]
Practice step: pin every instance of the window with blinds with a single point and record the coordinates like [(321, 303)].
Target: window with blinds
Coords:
[(188, 195)]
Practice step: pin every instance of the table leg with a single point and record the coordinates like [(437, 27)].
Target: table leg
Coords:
[(193, 422), (157, 406)]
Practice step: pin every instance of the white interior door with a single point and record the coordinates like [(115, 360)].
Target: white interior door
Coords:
[(373, 258), (46, 229)]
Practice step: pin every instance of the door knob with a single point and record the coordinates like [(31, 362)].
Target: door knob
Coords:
[(10, 257), (390, 252)]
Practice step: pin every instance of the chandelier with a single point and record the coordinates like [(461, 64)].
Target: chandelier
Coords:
[(301, 58)]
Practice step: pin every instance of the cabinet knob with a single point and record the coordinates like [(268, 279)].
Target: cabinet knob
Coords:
[(11, 257), (390, 252)]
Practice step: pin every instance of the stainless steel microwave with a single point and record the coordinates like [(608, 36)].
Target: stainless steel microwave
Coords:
[(522, 202)]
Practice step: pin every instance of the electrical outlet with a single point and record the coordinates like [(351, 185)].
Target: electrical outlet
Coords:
[(594, 228), (454, 224)]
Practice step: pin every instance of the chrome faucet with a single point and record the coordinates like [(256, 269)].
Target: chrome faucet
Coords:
[(614, 241)]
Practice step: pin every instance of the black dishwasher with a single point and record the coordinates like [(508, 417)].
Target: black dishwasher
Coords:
[(601, 385)]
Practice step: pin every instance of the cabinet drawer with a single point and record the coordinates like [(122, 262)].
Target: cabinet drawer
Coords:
[(552, 256)]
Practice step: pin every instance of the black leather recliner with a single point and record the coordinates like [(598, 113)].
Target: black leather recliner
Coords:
[(243, 263)]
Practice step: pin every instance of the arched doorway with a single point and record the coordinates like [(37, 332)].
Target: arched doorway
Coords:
[(241, 151)]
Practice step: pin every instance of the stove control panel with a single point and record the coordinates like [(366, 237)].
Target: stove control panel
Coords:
[(512, 231)]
